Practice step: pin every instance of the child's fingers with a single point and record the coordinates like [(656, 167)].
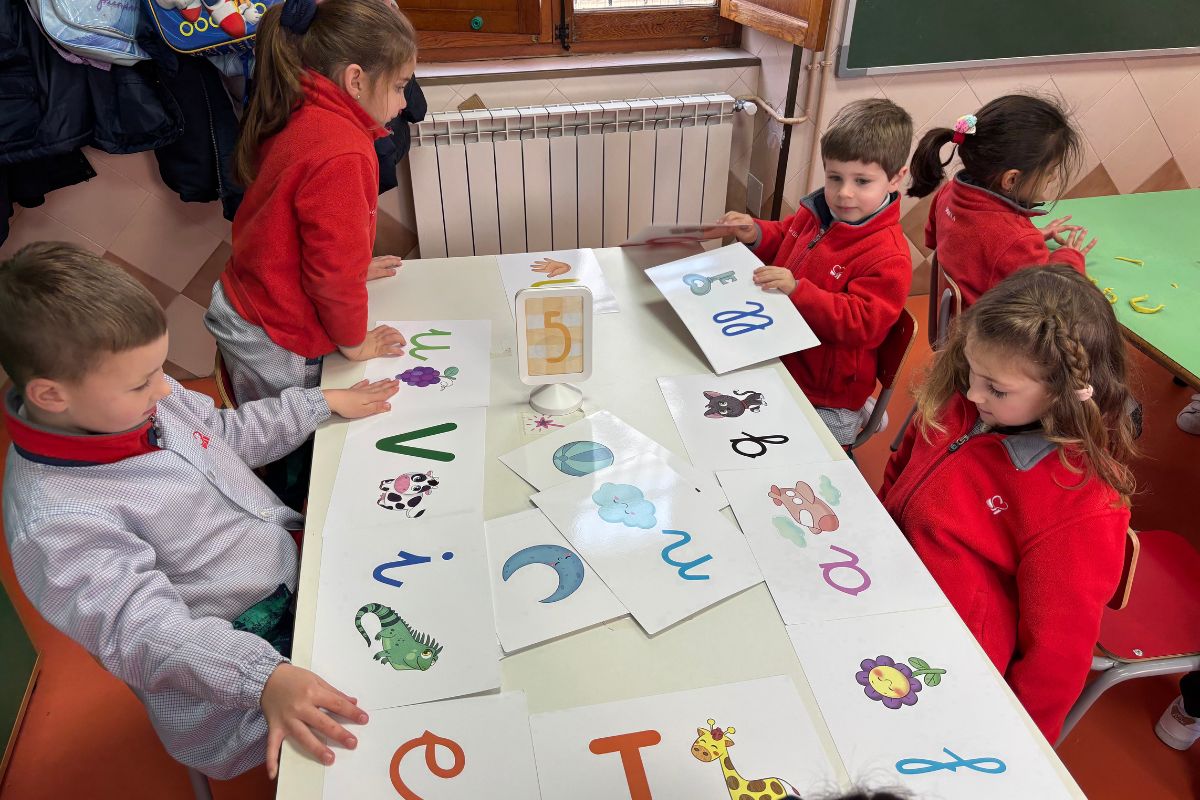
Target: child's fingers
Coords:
[(303, 738), (274, 743), (326, 725), (1089, 247), (361, 384)]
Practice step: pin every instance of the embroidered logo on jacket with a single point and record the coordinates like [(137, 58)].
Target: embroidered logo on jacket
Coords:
[(950, 214), (837, 271), (996, 504), (201, 438)]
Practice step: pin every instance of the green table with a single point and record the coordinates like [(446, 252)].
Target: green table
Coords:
[(1162, 229)]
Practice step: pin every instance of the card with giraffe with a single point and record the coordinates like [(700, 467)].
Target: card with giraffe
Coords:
[(541, 587), (826, 545), (665, 556), (557, 268), (456, 750), (406, 616), (446, 364), (754, 740), (911, 700)]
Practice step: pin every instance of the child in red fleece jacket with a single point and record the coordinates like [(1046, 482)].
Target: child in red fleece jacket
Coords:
[(1015, 151), (1013, 486), (327, 78), (842, 259)]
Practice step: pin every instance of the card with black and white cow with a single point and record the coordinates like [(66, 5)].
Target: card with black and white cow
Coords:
[(828, 548), (446, 364), (403, 471), (742, 420), (406, 616)]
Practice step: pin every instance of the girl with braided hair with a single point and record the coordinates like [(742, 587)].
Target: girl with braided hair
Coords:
[(1013, 485)]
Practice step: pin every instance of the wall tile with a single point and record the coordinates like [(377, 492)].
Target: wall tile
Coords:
[(141, 168), (1179, 119), (1167, 178), (1114, 116), (34, 226), (1096, 183), (604, 87), (191, 346), (989, 83), (1137, 158), (1083, 83), (169, 240), (923, 94), (665, 84), (1159, 79), (839, 92), (505, 94), (162, 293), (441, 98), (199, 288), (1188, 158), (98, 209)]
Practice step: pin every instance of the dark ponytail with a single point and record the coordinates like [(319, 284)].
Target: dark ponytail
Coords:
[(324, 38), (927, 168), (1027, 133)]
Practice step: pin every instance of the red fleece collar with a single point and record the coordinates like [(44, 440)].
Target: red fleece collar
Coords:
[(75, 450), (324, 93)]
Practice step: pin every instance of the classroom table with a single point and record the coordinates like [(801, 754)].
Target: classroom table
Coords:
[(615, 661), (1161, 229)]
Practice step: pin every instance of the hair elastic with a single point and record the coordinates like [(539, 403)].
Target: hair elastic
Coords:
[(297, 15), (1085, 393), (962, 126)]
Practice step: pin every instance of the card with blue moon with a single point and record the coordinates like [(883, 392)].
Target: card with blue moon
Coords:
[(541, 587), (404, 615), (595, 443), (912, 701), (665, 556), (446, 364)]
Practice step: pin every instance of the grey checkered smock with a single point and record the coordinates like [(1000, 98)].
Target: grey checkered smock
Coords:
[(145, 562), (257, 366)]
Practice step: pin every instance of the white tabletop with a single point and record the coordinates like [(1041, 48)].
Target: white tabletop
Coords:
[(633, 349)]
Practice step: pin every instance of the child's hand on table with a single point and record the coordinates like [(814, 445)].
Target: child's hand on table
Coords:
[(1075, 241), (383, 340), (363, 399), (294, 701), (1057, 228), (383, 267), (736, 224), (550, 267), (775, 278)]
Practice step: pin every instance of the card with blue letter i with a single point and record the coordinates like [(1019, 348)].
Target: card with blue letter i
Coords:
[(735, 323), (663, 554)]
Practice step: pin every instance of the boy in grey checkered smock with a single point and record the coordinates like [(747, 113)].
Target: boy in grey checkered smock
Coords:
[(136, 524)]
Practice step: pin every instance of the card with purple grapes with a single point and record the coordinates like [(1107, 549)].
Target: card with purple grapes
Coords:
[(446, 364)]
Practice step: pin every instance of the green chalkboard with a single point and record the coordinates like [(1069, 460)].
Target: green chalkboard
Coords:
[(18, 662), (900, 35)]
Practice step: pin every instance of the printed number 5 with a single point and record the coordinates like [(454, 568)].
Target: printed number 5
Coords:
[(551, 318)]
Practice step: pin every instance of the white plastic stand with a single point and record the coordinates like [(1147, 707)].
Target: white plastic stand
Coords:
[(556, 399)]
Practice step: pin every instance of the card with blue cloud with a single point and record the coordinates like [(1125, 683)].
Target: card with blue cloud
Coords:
[(665, 556), (541, 587)]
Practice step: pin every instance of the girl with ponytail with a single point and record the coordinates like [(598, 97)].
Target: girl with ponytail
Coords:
[(1017, 151), (1013, 486), (327, 78)]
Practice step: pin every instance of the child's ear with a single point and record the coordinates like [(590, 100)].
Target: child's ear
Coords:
[(46, 395), (354, 81), (1009, 179), (897, 179)]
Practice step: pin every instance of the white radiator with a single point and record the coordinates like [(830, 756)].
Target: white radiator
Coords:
[(515, 180)]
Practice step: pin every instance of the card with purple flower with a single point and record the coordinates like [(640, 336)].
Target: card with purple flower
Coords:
[(911, 700), (446, 364)]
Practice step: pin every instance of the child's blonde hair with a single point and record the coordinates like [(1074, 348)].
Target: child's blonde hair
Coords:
[(1054, 318), (373, 34), (1025, 132)]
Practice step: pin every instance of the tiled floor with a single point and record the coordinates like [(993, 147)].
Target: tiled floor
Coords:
[(86, 735)]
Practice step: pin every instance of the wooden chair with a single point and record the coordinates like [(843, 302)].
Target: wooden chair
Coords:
[(890, 358), (1149, 627), (224, 384), (945, 305)]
